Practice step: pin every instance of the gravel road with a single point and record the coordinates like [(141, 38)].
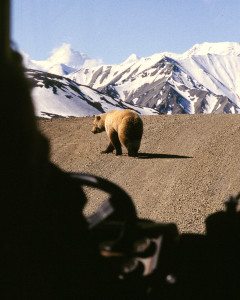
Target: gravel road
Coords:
[(188, 164)]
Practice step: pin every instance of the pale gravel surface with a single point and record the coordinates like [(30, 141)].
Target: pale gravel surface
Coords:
[(190, 166)]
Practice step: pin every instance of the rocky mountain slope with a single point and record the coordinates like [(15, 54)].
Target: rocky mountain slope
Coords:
[(57, 96), (205, 79)]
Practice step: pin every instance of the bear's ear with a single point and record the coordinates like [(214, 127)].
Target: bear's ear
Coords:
[(98, 118)]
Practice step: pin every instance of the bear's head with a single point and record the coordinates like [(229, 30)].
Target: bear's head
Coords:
[(98, 124)]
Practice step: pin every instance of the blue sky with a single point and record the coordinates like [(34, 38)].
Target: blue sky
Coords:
[(114, 29)]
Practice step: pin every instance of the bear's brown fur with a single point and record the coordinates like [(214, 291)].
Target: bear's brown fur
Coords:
[(123, 127)]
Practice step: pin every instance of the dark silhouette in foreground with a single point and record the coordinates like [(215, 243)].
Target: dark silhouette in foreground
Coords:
[(46, 248)]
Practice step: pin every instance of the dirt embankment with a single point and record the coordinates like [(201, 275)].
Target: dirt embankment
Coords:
[(188, 165)]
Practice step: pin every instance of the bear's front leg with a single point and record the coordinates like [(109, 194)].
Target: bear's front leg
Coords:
[(115, 142), (109, 148)]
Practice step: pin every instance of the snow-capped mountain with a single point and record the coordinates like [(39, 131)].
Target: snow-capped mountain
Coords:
[(57, 96), (63, 60), (204, 79)]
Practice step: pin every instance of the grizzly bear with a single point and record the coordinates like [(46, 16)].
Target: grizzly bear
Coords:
[(123, 127)]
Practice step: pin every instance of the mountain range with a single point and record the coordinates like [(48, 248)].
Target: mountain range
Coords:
[(57, 96), (205, 79)]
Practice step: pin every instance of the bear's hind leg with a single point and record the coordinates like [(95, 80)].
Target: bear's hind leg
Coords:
[(115, 142), (133, 148), (132, 152)]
